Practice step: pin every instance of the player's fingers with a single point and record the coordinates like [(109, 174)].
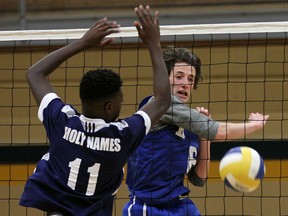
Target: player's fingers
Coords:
[(107, 41), (156, 18), (141, 14), (99, 22), (108, 28), (108, 25), (136, 10), (201, 109), (103, 23), (145, 11), (138, 27), (148, 14)]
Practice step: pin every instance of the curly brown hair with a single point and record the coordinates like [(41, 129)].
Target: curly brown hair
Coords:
[(173, 55)]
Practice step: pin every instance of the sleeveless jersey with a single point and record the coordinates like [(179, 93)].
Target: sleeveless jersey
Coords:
[(157, 168), (84, 165)]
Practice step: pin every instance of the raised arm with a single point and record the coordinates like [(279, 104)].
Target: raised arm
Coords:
[(206, 128), (229, 131), (38, 72), (181, 115), (149, 32)]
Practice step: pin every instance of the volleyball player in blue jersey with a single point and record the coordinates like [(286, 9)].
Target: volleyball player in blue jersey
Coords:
[(83, 169), (179, 145)]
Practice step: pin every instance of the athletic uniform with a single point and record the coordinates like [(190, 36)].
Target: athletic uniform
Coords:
[(83, 169), (157, 168)]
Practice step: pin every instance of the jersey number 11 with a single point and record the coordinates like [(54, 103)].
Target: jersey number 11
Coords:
[(74, 171)]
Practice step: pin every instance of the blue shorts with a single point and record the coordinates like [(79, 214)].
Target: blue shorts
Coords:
[(179, 207)]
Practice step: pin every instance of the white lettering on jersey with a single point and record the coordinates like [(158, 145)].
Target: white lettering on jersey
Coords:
[(74, 136), (191, 158), (94, 143), (104, 144), (180, 133)]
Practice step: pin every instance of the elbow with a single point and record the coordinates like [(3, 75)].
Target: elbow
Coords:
[(195, 179), (29, 77), (200, 183), (29, 74), (33, 75)]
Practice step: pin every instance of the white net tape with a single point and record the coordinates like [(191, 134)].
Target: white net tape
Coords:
[(229, 28)]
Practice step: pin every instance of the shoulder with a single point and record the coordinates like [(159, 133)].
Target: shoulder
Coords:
[(44, 103), (147, 120), (52, 104), (135, 120)]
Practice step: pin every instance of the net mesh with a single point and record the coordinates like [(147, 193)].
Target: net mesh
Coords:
[(245, 70)]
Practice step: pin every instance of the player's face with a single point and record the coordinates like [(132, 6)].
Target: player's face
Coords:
[(182, 81)]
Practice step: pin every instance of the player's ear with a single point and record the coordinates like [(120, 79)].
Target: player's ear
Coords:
[(108, 107)]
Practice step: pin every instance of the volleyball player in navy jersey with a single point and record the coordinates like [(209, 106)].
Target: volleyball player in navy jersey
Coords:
[(178, 145), (83, 169)]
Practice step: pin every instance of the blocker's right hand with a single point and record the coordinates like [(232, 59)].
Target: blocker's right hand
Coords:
[(95, 36), (148, 25)]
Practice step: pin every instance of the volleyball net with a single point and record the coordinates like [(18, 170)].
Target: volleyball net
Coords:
[(245, 68)]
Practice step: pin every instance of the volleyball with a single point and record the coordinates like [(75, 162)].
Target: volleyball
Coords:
[(242, 169)]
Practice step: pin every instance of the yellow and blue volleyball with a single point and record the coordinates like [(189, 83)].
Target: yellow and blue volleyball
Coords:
[(242, 169)]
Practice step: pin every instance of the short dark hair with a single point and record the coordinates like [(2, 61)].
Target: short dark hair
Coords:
[(173, 55), (99, 84)]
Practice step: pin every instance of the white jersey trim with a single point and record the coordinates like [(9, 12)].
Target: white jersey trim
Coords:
[(44, 103), (147, 120), (68, 111)]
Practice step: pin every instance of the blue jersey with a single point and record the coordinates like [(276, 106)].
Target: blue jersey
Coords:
[(157, 168), (84, 165)]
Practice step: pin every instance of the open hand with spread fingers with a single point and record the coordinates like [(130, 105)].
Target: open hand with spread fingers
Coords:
[(96, 35), (147, 25)]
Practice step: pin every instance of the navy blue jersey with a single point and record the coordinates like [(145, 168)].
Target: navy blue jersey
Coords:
[(157, 168), (84, 165)]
